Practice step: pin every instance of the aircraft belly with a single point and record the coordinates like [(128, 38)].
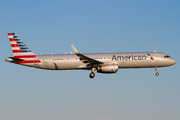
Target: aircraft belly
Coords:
[(27, 64), (67, 65), (39, 65), (49, 65)]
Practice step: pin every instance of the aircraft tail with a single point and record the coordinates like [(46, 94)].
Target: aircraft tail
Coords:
[(22, 54), (18, 47)]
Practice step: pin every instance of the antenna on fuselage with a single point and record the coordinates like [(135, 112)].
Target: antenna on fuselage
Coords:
[(154, 51)]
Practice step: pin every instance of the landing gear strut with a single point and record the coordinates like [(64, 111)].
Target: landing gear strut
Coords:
[(92, 73), (156, 71)]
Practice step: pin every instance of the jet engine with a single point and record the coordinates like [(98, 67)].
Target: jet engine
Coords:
[(108, 68)]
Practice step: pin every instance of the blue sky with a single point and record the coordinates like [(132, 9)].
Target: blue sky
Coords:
[(94, 26)]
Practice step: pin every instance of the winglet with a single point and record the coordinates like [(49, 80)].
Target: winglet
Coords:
[(74, 49)]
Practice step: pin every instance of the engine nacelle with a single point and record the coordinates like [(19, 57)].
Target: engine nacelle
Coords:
[(109, 68)]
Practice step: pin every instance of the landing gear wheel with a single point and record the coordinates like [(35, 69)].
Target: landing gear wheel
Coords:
[(92, 75), (157, 74), (156, 71)]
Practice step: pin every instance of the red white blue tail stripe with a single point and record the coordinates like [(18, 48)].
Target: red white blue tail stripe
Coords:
[(21, 51), (18, 46)]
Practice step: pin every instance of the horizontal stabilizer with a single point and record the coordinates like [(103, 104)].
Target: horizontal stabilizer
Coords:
[(13, 59), (16, 59)]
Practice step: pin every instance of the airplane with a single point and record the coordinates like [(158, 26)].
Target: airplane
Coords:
[(101, 62)]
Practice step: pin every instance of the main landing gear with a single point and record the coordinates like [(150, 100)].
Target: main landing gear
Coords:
[(92, 73), (157, 74)]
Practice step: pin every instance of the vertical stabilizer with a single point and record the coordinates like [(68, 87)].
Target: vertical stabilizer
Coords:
[(18, 46), (22, 54)]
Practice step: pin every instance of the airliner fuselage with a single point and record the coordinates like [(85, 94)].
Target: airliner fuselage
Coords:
[(124, 60)]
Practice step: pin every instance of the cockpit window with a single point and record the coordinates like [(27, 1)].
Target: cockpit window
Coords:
[(167, 56)]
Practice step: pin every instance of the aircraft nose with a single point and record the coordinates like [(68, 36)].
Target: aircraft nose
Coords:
[(173, 61)]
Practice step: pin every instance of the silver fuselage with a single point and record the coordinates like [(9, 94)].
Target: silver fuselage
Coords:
[(124, 60)]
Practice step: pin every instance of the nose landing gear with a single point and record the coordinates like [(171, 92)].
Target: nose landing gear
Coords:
[(157, 74)]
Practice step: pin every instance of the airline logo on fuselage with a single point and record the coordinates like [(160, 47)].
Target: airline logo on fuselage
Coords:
[(131, 57)]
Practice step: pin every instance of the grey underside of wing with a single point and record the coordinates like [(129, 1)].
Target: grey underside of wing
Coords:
[(89, 61), (86, 60)]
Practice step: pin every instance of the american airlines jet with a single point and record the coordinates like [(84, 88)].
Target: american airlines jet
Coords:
[(100, 62)]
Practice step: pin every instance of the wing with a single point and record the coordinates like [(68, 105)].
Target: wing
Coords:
[(87, 60)]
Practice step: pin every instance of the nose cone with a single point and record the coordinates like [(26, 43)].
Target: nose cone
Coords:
[(173, 61)]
